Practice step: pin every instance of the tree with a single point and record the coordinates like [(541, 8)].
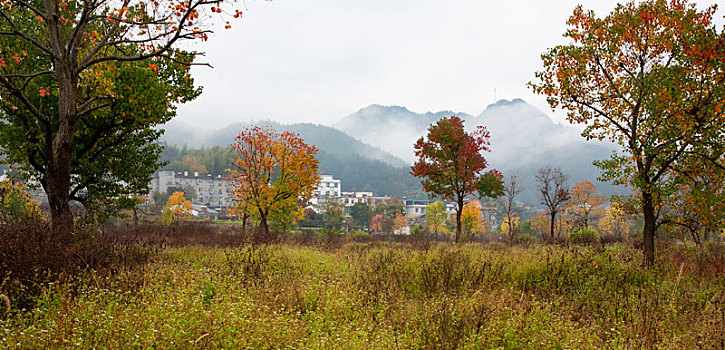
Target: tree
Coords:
[(472, 219), (334, 218), (554, 192), (193, 165), (388, 211), (614, 221), (376, 223), (66, 72), (697, 205), (540, 224), (649, 77), (177, 208), (450, 161), (584, 200), (286, 217), (506, 203), (361, 213), (399, 222), (270, 172), (510, 224), (435, 216)]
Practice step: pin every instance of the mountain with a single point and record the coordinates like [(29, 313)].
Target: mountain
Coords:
[(359, 166), (523, 139), (392, 128)]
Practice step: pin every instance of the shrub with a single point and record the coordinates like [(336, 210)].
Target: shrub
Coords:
[(15, 202), (584, 235), (31, 256)]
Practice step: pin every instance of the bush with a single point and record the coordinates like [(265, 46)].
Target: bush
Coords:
[(16, 203), (584, 235), (31, 256)]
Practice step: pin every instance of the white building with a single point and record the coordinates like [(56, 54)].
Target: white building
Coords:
[(210, 190), (328, 187)]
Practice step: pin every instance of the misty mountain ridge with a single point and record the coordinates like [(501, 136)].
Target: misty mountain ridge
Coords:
[(392, 128), (323, 137), (523, 139)]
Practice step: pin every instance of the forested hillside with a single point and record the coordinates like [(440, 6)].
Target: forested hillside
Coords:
[(360, 167)]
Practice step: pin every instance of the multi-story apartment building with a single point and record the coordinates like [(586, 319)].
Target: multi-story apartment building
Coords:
[(211, 191)]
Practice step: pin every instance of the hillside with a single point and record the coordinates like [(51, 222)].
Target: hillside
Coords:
[(358, 165)]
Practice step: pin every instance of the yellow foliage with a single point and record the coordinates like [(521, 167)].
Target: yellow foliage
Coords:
[(177, 208), (472, 220), (614, 221), (510, 226), (16, 201)]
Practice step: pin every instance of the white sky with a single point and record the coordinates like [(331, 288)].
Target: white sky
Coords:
[(320, 60)]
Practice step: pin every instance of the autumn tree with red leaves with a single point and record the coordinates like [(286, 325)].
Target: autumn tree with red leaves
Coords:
[(55, 61), (450, 162), (650, 76), (270, 172)]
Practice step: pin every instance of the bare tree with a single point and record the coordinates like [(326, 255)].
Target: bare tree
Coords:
[(506, 203), (554, 191)]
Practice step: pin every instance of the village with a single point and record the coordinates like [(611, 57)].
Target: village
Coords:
[(210, 197)]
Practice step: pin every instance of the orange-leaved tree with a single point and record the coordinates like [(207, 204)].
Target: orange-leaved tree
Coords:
[(57, 59), (271, 173), (450, 162), (584, 200), (177, 208), (650, 77)]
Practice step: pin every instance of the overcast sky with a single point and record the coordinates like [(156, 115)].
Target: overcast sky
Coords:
[(321, 60)]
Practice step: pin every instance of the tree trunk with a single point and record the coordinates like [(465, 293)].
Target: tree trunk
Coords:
[(511, 227), (458, 219), (59, 148), (648, 233), (263, 227), (552, 224)]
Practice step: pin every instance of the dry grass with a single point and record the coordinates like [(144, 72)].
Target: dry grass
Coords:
[(211, 292)]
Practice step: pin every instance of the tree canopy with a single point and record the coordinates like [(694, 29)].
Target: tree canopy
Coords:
[(450, 161), (270, 172), (84, 81), (649, 77)]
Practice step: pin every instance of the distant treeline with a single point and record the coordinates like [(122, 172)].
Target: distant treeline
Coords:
[(357, 173)]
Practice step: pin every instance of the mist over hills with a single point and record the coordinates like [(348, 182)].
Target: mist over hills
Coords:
[(392, 128), (361, 167), (523, 139)]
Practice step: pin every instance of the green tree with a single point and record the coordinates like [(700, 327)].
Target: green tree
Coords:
[(361, 213), (435, 216), (450, 161), (649, 76), (82, 84)]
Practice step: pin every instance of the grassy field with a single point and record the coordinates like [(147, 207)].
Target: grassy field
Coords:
[(386, 296)]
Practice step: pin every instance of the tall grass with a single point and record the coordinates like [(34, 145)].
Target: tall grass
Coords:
[(336, 294)]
